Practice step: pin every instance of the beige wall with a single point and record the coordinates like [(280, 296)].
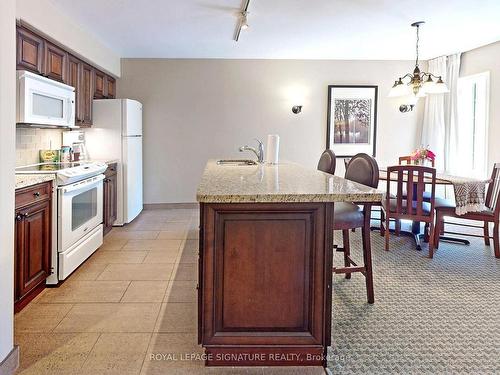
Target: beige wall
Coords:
[(46, 17), (195, 110), (7, 142), (480, 60)]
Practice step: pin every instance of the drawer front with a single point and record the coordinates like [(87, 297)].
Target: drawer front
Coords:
[(33, 194), (111, 171)]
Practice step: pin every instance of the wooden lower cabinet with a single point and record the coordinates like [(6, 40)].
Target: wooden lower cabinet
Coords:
[(33, 242), (265, 283), (110, 198)]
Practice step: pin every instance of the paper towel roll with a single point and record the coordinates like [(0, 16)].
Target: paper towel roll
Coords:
[(273, 148)]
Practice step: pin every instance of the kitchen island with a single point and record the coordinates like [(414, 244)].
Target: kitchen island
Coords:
[(265, 266)]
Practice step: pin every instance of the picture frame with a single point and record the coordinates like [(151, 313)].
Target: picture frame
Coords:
[(352, 120)]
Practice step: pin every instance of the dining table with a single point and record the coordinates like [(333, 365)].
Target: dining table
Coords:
[(442, 179)]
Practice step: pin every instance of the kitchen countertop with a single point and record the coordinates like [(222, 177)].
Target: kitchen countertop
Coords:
[(24, 180), (285, 182)]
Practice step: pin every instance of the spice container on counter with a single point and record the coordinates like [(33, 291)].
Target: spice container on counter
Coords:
[(65, 154), (76, 151)]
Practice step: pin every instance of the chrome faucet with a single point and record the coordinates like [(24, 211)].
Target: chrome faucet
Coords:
[(259, 153)]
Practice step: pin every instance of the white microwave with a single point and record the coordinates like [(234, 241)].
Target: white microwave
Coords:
[(44, 102)]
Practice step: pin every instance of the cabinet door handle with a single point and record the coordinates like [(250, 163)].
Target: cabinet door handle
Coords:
[(36, 194)]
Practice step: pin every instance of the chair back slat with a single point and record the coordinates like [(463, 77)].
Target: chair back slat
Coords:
[(414, 178), (493, 193), (399, 203), (420, 194), (409, 192), (405, 160)]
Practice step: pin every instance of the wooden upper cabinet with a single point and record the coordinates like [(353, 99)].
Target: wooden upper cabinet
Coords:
[(74, 71), (56, 60), (105, 86), (86, 93), (111, 87), (29, 51), (100, 88)]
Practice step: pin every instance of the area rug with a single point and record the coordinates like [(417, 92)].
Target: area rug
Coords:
[(431, 316)]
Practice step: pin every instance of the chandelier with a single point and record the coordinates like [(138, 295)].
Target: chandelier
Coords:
[(420, 83)]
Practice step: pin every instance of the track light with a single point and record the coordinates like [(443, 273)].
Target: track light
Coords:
[(242, 21)]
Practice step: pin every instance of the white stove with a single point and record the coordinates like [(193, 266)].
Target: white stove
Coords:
[(66, 173), (77, 213)]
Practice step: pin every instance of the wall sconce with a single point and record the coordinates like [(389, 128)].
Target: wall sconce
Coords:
[(404, 108), (297, 109)]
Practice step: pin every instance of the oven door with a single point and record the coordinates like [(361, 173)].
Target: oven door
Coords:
[(80, 210)]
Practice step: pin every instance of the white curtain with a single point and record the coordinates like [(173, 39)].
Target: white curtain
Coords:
[(439, 129)]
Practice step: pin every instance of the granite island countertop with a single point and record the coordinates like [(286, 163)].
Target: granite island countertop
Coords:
[(285, 182), (25, 180)]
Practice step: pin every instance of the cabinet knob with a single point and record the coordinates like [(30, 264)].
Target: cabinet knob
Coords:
[(36, 194), (26, 214), (19, 217)]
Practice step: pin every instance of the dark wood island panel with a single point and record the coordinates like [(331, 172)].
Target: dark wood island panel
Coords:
[(265, 283)]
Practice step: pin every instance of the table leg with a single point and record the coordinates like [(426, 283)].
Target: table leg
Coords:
[(415, 233), (415, 230)]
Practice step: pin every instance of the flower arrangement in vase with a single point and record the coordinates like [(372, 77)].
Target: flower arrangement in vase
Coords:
[(421, 155)]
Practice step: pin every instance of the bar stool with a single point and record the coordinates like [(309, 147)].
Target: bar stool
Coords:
[(327, 162), (363, 169)]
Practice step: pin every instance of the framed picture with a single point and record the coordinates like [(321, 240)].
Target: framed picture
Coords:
[(352, 120)]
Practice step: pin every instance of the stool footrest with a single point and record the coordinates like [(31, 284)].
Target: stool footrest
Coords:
[(352, 262), (349, 269)]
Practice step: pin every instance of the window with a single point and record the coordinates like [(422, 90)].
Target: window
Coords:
[(472, 130)]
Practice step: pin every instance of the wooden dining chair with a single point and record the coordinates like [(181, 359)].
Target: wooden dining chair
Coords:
[(363, 169), (327, 162), (412, 207), (346, 162), (490, 215), (406, 160)]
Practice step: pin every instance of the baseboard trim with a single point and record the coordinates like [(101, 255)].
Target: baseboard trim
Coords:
[(157, 206), (10, 364)]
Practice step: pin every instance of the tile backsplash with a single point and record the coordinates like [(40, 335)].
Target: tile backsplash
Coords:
[(30, 141)]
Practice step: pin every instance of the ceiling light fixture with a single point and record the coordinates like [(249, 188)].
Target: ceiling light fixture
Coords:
[(420, 83), (242, 20)]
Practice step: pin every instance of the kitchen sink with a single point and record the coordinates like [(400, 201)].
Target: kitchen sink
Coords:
[(236, 162)]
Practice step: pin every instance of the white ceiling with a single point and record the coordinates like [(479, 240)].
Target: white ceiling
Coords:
[(288, 29)]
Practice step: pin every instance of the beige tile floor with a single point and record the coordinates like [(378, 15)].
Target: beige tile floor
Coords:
[(134, 297)]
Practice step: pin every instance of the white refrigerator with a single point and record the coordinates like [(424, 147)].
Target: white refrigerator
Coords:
[(116, 134)]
